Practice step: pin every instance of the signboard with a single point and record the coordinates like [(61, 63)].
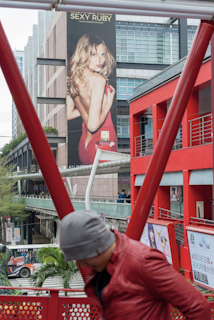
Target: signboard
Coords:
[(201, 247), (17, 236), (9, 234), (91, 85), (157, 236)]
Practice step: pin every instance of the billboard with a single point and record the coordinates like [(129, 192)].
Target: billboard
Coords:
[(91, 85), (201, 247), (157, 236)]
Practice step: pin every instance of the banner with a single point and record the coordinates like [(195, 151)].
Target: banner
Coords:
[(157, 236), (201, 247), (91, 85), (9, 234)]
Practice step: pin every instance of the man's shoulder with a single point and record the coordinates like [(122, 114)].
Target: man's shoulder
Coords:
[(141, 252)]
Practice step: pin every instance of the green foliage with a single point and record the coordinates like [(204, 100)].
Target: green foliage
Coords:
[(57, 267), (11, 145), (10, 204), (50, 130), (4, 258)]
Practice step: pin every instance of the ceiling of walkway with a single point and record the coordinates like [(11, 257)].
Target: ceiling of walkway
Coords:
[(198, 9)]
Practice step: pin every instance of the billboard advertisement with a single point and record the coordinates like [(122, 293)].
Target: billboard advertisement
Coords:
[(91, 85), (201, 247), (157, 236)]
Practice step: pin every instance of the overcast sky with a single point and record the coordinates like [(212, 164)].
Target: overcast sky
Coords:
[(17, 24)]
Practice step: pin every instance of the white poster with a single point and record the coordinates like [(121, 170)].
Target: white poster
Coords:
[(17, 234), (9, 234), (201, 246), (156, 236)]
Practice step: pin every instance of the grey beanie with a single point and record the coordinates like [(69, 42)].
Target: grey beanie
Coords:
[(83, 235)]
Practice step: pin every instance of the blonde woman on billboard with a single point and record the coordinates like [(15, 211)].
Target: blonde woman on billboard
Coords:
[(90, 96)]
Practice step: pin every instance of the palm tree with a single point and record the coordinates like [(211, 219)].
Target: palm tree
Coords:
[(54, 265)]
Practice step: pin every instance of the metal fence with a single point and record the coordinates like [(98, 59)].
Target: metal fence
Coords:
[(143, 145), (201, 131), (53, 306)]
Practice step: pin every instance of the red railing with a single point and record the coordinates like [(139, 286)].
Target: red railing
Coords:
[(48, 304), (201, 130)]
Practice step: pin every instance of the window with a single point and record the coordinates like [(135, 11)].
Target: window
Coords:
[(123, 128), (146, 43), (125, 87), (190, 35)]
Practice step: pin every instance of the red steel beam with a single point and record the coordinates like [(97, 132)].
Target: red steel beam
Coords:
[(212, 93), (169, 130), (33, 128)]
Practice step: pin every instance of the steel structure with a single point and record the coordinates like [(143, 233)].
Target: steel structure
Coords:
[(164, 8), (179, 9)]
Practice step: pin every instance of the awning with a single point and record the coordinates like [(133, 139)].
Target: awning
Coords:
[(168, 179), (201, 177), (197, 178)]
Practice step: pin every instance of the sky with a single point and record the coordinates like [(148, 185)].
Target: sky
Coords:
[(17, 24)]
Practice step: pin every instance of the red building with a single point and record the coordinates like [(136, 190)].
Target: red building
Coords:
[(185, 194)]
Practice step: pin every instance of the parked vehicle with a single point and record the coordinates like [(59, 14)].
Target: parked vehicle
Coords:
[(23, 261)]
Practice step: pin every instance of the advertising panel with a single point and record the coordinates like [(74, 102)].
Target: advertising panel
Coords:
[(17, 235), (91, 85), (9, 234), (201, 246), (157, 236)]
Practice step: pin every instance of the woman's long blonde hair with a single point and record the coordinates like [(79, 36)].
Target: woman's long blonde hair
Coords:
[(80, 59)]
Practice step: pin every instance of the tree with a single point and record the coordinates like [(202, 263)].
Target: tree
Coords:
[(10, 203), (54, 265), (4, 258), (15, 142)]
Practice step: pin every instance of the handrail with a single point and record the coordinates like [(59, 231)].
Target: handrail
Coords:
[(41, 289), (56, 307), (201, 131), (196, 220), (169, 214)]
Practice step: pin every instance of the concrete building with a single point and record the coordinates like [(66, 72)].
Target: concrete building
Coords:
[(19, 56), (184, 198)]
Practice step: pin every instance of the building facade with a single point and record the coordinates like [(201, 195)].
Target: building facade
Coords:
[(19, 56), (144, 47), (185, 194)]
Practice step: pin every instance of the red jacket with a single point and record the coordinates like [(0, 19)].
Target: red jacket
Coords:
[(143, 284)]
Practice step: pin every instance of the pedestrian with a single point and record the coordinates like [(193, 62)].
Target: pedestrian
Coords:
[(127, 279), (122, 196)]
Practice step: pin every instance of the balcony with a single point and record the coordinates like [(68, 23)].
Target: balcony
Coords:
[(143, 145), (201, 133)]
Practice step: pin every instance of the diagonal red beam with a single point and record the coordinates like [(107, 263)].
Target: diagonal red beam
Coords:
[(169, 130), (212, 92), (33, 128)]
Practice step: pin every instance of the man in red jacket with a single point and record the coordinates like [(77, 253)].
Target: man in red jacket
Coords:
[(128, 279)]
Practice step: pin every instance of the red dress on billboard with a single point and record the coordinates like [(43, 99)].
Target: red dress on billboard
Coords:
[(86, 155)]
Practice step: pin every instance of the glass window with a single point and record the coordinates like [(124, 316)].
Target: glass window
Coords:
[(125, 87), (146, 43), (123, 128)]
